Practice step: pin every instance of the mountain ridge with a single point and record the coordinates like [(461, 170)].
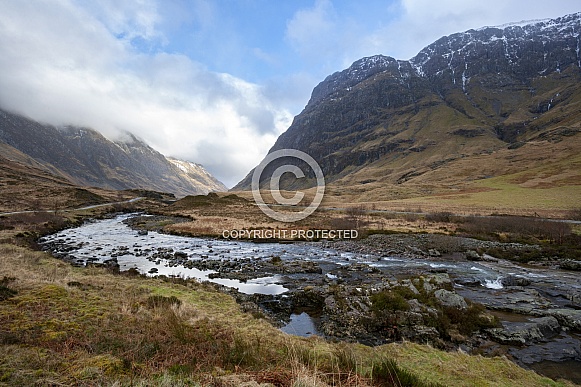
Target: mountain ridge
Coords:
[(410, 125), (86, 158)]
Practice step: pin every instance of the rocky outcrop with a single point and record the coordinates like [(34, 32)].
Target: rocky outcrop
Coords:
[(570, 264), (569, 318), (413, 309), (513, 280), (516, 300), (450, 299), (538, 329)]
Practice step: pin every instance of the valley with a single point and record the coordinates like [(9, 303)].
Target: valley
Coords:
[(523, 311), (446, 250)]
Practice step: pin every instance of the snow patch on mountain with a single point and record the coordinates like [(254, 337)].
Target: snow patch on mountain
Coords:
[(454, 54), (199, 174)]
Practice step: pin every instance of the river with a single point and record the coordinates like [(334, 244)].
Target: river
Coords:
[(153, 253)]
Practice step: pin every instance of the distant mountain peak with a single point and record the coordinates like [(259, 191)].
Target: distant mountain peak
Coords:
[(511, 40), (521, 23), (359, 71)]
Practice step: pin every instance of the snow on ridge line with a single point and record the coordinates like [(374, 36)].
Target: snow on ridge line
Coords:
[(366, 66), (190, 167), (524, 23), (521, 23)]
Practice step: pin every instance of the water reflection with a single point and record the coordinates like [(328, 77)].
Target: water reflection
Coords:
[(300, 325)]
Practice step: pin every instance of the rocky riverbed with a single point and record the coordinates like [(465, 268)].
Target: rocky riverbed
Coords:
[(427, 288)]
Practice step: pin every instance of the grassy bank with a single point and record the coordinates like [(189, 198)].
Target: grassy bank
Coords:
[(61, 325)]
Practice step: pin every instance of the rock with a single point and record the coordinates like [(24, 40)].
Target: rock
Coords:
[(472, 255), (569, 318), (422, 334), (570, 264), (434, 253), (408, 284), (514, 300), (112, 265), (450, 299), (537, 329), (513, 280), (561, 348), (416, 251), (468, 281), (440, 280), (153, 270), (488, 258), (415, 306), (428, 288)]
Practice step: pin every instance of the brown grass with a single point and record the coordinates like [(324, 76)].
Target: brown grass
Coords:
[(72, 326)]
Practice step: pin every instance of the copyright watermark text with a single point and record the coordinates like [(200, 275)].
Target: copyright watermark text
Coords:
[(286, 234)]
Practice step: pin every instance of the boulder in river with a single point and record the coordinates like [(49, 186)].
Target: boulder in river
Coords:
[(472, 255), (468, 281), (570, 264), (513, 280), (537, 329)]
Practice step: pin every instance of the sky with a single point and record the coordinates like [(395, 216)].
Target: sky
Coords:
[(211, 81)]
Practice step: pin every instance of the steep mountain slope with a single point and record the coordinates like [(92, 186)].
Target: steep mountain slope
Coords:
[(473, 105), (84, 157), (198, 173)]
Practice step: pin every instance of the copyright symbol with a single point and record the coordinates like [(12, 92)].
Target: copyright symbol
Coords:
[(275, 185)]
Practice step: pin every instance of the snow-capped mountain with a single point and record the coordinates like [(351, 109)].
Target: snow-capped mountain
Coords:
[(524, 49), (470, 93)]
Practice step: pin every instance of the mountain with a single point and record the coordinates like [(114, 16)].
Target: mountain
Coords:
[(86, 158), (484, 103), (198, 173)]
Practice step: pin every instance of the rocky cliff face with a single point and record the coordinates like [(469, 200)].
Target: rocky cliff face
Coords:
[(85, 157), (466, 94)]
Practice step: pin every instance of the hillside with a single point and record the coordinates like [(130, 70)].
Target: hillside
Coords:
[(25, 188), (497, 102), (86, 158), (197, 173)]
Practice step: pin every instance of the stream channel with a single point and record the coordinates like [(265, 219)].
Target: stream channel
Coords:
[(550, 292)]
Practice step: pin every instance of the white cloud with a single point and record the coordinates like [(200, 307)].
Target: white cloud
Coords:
[(323, 38), (128, 19), (312, 31), (62, 65)]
